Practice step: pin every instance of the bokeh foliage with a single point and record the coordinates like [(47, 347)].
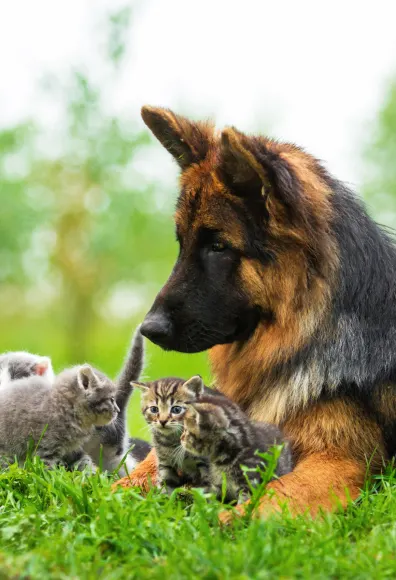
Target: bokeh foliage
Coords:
[(379, 162), (85, 241)]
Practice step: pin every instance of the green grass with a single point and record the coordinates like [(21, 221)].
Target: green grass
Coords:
[(69, 525)]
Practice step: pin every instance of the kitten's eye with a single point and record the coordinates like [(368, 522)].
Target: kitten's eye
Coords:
[(176, 410), (218, 247), (154, 409)]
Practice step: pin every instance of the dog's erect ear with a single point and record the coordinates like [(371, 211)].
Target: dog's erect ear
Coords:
[(240, 163), (186, 140), (195, 386), (258, 169)]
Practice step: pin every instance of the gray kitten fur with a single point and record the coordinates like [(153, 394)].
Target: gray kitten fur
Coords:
[(59, 418), (109, 445), (19, 365)]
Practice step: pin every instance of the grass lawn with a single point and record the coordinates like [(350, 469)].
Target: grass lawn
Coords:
[(69, 525)]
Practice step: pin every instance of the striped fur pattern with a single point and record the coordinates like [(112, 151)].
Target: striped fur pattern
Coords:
[(217, 429), (164, 405)]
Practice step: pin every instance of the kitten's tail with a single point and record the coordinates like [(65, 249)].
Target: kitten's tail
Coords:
[(132, 369)]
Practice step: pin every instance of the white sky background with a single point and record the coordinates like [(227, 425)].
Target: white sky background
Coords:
[(313, 72)]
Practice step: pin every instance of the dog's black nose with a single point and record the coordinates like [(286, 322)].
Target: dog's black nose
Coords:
[(157, 328)]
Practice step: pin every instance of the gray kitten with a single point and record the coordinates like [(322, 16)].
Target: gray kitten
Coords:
[(59, 418), (109, 445), (19, 365)]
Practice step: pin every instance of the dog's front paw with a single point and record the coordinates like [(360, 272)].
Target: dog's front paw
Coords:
[(226, 517)]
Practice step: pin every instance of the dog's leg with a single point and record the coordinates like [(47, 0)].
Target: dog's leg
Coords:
[(320, 481), (144, 474)]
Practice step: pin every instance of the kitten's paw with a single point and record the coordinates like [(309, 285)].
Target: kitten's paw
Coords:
[(162, 488), (91, 468), (85, 463)]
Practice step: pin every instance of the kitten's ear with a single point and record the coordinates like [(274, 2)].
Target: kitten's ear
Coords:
[(141, 386), (195, 385), (86, 377), (42, 366)]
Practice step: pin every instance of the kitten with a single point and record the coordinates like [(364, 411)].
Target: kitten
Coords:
[(164, 404), (217, 429), (19, 365), (109, 445), (58, 417)]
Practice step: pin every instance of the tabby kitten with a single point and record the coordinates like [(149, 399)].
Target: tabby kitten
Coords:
[(217, 429), (164, 404), (109, 445), (59, 418), (19, 365)]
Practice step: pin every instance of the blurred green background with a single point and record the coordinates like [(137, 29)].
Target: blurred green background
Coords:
[(87, 240)]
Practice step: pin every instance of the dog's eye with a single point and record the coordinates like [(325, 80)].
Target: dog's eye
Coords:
[(154, 409), (176, 410), (218, 247)]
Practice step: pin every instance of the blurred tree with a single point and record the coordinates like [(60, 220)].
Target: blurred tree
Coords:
[(18, 215), (85, 239), (380, 164), (101, 222)]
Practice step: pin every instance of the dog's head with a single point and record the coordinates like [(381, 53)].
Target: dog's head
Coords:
[(252, 223)]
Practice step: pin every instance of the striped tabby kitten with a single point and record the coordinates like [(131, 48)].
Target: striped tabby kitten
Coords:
[(164, 404), (215, 428)]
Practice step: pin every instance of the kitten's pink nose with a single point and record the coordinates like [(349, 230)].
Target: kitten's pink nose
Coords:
[(163, 423)]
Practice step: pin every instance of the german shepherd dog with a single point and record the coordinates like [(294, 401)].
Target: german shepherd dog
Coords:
[(291, 286)]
